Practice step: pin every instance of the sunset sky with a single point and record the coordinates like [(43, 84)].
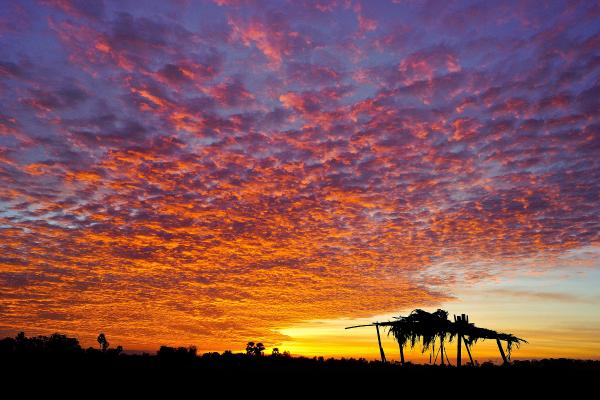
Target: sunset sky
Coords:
[(209, 173)]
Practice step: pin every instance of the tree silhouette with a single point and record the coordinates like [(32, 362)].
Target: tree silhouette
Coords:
[(103, 342), (255, 349), (275, 352), (260, 348)]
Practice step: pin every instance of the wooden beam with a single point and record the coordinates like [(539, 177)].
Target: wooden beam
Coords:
[(358, 326), (380, 346), (459, 322), (501, 351), (468, 350)]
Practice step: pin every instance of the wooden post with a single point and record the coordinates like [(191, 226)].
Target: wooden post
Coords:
[(468, 351), (458, 321), (501, 351), (458, 351), (379, 341), (401, 352)]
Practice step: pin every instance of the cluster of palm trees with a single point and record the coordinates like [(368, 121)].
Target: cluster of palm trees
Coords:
[(429, 328), (255, 349)]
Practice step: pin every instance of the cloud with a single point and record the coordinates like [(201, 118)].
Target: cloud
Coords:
[(67, 97), (79, 8), (261, 167), (272, 36), (541, 296)]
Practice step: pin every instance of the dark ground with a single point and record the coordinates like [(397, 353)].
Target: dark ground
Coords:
[(57, 365), (287, 376)]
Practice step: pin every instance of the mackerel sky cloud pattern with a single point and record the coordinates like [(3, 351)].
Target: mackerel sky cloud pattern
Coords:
[(210, 172)]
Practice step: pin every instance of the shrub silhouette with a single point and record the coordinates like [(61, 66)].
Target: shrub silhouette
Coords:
[(177, 353), (57, 344)]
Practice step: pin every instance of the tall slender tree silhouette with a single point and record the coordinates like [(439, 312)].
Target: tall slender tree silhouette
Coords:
[(103, 342)]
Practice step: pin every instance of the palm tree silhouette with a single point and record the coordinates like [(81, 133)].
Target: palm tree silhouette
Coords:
[(253, 349), (103, 342)]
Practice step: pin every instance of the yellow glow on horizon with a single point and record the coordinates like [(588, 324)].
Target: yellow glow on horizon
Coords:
[(329, 339)]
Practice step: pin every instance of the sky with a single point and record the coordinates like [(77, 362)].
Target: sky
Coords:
[(210, 173)]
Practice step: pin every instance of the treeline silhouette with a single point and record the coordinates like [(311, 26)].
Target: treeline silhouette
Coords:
[(58, 358), (57, 344)]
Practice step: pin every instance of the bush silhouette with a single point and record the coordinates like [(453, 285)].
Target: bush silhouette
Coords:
[(56, 343), (177, 353)]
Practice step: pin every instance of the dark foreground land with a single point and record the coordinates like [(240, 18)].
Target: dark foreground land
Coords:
[(175, 373), (234, 374)]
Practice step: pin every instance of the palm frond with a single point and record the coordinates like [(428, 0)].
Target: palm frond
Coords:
[(422, 326)]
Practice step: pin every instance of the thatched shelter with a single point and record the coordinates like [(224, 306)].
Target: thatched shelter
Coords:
[(427, 328)]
